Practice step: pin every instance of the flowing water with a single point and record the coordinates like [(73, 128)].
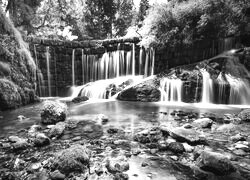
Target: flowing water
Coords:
[(171, 90), (207, 87), (48, 70)]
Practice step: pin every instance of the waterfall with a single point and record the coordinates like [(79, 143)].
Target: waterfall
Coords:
[(106, 88), (171, 90), (39, 75), (152, 52), (128, 63), (207, 87), (48, 70), (73, 67), (221, 92), (146, 64), (133, 60), (140, 60), (239, 90), (83, 65)]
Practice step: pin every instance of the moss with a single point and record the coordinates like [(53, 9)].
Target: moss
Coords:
[(4, 69), (9, 95), (74, 159)]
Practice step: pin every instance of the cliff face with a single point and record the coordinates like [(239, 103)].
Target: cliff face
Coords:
[(17, 69)]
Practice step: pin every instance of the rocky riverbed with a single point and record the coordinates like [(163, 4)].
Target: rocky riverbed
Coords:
[(166, 145)]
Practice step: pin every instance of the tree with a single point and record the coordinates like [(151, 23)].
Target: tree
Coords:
[(144, 6), (53, 17), (183, 22), (123, 16), (22, 12), (99, 18)]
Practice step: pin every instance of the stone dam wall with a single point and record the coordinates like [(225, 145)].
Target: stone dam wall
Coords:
[(60, 53)]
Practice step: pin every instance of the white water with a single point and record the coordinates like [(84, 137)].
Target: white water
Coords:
[(207, 87), (40, 80), (152, 52), (133, 60), (48, 70), (73, 67), (171, 90), (99, 89), (239, 91)]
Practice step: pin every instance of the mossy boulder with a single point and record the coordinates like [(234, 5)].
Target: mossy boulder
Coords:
[(75, 159), (9, 95), (245, 115), (53, 112)]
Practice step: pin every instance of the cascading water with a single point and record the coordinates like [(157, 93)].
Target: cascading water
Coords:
[(140, 60), (133, 60), (48, 70), (146, 64), (239, 90), (207, 87), (39, 75), (152, 52), (171, 90), (73, 67)]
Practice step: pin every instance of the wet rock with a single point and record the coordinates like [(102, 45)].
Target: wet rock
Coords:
[(112, 130), (53, 112), (77, 138), (148, 135), (239, 152), (34, 129), (114, 166), (187, 126), (57, 130), (226, 128), (215, 162), (73, 159), (57, 175), (121, 176), (41, 140), (245, 115), (203, 123), (186, 135), (144, 164), (20, 145), (14, 139), (176, 147), (238, 137), (101, 119), (187, 147), (80, 99), (145, 92)]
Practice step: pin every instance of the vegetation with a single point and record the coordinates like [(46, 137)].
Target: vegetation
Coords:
[(184, 21)]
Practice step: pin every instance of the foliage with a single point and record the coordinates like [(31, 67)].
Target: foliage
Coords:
[(123, 17), (58, 18), (22, 12), (182, 22), (144, 6)]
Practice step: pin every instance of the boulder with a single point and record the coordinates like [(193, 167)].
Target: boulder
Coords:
[(245, 115), (145, 92), (74, 159), (9, 95), (186, 135), (57, 130), (53, 112), (215, 162), (80, 99), (203, 123)]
